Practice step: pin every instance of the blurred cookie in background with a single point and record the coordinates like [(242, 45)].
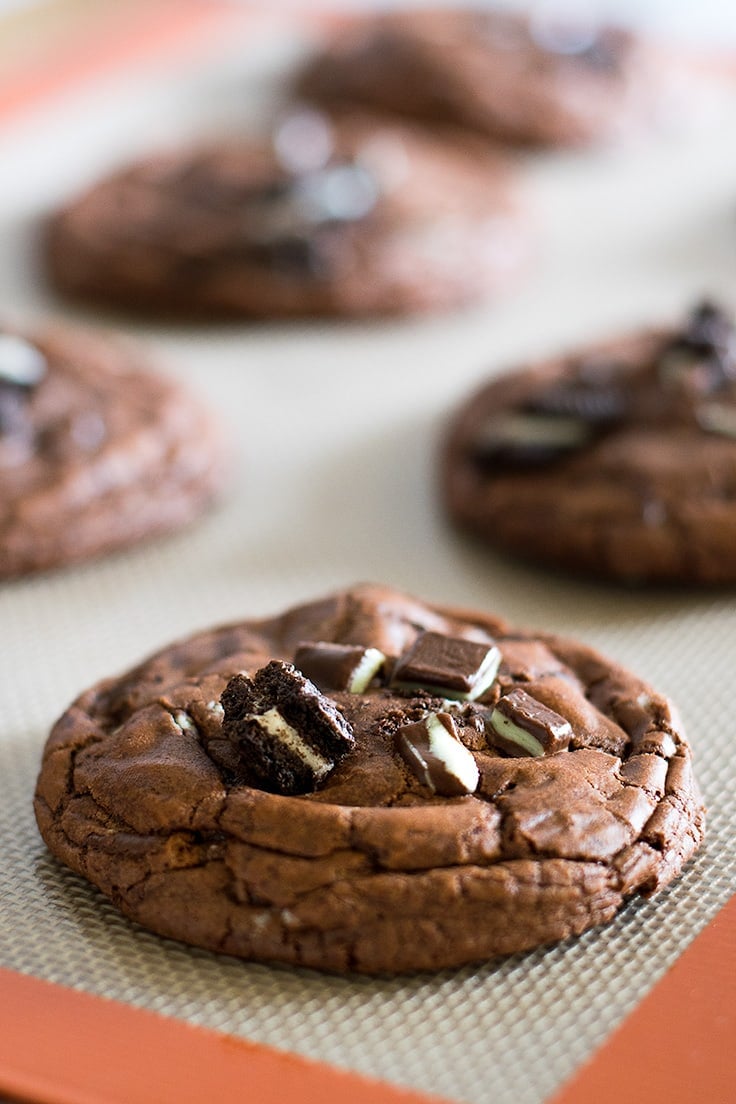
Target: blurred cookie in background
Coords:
[(96, 450), (618, 461), (556, 76), (341, 215)]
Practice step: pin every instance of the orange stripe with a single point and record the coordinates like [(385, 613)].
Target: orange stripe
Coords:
[(116, 40), (678, 1044), (60, 1046)]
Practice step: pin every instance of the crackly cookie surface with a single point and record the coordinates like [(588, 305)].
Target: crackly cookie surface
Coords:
[(329, 216), (96, 450), (543, 80), (424, 845), (618, 461)]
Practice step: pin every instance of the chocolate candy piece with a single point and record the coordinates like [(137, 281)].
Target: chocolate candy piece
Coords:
[(339, 666), (21, 363), (599, 404), (449, 666), (527, 439), (706, 346), (521, 725), (437, 757), (288, 735)]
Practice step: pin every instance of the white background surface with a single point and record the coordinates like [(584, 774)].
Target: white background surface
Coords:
[(335, 427)]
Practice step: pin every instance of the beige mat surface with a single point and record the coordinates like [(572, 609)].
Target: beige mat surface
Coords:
[(334, 431)]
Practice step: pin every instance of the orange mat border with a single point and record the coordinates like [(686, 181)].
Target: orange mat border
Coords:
[(678, 1044), (62, 1046), (136, 33)]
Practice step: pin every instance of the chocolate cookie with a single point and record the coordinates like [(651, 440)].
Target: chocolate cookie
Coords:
[(465, 816), (537, 81), (618, 461), (96, 450), (330, 217)]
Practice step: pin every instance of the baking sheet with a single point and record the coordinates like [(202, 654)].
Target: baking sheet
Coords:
[(334, 429)]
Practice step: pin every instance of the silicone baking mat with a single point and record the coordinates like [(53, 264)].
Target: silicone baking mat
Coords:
[(334, 429)]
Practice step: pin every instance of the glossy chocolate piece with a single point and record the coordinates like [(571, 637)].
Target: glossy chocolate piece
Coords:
[(447, 666), (595, 403), (520, 725), (437, 757), (287, 735), (339, 666), (524, 439)]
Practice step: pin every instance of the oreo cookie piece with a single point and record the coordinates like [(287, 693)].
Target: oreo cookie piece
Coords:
[(288, 736), (622, 459)]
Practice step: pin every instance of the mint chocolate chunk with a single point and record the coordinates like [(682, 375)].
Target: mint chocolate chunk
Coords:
[(598, 404), (448, 666), (339, 666), (288, 736), (524, 439), (521, 725), (437, 757)]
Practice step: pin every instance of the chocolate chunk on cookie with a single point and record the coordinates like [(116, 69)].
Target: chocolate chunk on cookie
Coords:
[(424, 824), (339, 666), (542, 80), (521, 725), (97, 450), (436, 755), (448, 666), (288, 736), (333, 216), (618, 461)]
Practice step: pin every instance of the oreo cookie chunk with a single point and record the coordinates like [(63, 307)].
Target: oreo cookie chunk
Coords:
[(424, 825), (618, 461), (549, 79), (332, 216), (288, 736), (97, 451)]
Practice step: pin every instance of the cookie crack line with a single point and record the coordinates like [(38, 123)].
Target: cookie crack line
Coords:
[(372, 864)]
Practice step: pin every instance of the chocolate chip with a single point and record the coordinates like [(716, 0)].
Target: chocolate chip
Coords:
[(287, 734), (520, 725), (448, 666), (523, 440), (437, 757), (339, 666)]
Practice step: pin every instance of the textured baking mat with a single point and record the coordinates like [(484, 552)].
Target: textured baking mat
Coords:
[(334, 430)]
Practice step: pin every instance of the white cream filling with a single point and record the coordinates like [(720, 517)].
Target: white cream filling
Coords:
[(454, 756), (275, 725), (515, 734), (537, 430), (366, 670)]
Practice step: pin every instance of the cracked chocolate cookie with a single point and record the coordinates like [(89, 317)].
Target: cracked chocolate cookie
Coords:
[(341, 216), (618, 461), (542, 81), (433, 825), (96, 450)]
